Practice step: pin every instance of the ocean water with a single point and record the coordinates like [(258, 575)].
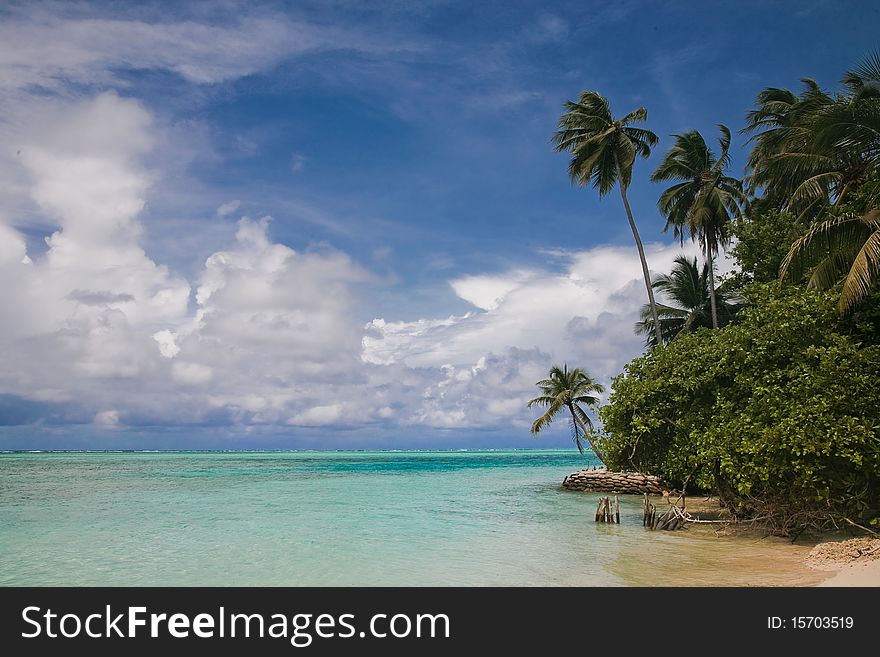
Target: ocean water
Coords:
[(469, 518)]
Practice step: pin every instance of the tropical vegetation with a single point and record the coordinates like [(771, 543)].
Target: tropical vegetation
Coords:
[(763, 388), (777, 413)]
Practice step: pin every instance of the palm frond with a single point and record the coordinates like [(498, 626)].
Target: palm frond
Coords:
[(864, 80), (863, 274), (603, 150), (638, 115), (542, 422), (844, 233)]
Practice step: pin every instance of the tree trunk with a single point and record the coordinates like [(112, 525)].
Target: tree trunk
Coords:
[(635, 232), (712, 301), (578, 423)]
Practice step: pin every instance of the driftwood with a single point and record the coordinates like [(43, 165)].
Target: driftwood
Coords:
[(672, 519)]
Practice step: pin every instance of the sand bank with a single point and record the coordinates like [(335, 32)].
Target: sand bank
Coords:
[(855, 562)]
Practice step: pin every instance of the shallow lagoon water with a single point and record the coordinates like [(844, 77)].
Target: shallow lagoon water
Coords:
[(467, 518)]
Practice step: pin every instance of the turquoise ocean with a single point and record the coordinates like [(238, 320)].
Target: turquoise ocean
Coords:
[(446, 518)]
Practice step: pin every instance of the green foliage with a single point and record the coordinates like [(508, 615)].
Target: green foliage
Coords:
[(763, 242), (780, 411), (817, 155)]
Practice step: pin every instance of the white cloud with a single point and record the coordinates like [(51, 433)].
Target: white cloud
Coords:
[(106, 419), (486, 292), (228, 208), (100, 324), (318, 416), (480, 368), (167, 342)]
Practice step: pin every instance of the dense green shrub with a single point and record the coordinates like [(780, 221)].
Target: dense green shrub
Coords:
[(762, 243), (779, 413)]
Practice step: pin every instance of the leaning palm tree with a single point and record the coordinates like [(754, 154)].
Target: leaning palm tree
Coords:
[(846, 247), (568, 390), (703, 203), (603, 151), (688, 288)]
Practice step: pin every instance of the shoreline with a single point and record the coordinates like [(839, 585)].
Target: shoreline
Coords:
[(855, 574), (835, 561), (851, 562)]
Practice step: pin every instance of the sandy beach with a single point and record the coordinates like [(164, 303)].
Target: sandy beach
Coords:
[(854, 562), (859, 574)]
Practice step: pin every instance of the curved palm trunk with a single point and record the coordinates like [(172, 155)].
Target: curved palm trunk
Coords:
[(635, 232), (712, 301), (579, 423)]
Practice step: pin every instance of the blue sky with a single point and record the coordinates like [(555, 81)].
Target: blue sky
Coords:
[(341, 224)]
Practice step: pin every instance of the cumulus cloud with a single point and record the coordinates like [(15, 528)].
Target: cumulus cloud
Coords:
[(599, 290), (263, 333), (318, 416), (228, 208), (83, 306), (524, 321), (272, 327)]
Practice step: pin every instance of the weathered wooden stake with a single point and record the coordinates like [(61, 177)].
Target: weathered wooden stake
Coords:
[(616, 510)]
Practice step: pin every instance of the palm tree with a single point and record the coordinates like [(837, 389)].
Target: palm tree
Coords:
[(811, 150), (864, 81), (688, 288), (845, 247), (604, 150), (567, 390), (784, 162), (702, 204), (830, 146)]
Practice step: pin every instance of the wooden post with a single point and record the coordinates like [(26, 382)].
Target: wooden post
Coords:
[(668, 518), (616, 510), (599, 510)]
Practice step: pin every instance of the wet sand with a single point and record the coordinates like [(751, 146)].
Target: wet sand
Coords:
[(699, 556), (710, 555)]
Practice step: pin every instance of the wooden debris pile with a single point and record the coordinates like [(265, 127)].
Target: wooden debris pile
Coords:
[(672, 519)]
